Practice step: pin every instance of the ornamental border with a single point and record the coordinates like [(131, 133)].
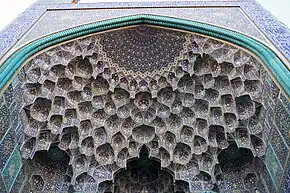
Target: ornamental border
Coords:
[(276, 67)]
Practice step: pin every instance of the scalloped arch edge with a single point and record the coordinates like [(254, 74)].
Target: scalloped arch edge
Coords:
[(265, 54)]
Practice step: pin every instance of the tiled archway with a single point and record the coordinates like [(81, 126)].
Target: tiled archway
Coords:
[(40, 113)]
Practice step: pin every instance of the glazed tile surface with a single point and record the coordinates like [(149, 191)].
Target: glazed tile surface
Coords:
[(262, 18), (39, 175), (231, 18), (105, 97)]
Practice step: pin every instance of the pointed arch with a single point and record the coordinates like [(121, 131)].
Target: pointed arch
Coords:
[(278, 69)]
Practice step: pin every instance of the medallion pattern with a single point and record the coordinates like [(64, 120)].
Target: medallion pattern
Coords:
[(143, 49)]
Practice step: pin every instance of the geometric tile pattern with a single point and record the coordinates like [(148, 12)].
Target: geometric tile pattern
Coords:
[(9, 106), (224, 17), (11, 133), (273, 165), (6, 109), (12, 169), (103, 97)]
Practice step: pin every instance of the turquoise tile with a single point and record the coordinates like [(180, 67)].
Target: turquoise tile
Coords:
[(20, 180), (282, 120), (12, 169), (273, 165), (280, 147), (15, 81)]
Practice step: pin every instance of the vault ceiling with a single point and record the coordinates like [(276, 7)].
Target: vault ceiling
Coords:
[(103, 97)]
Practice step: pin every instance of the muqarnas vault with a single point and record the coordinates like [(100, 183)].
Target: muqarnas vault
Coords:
[(146, 109)]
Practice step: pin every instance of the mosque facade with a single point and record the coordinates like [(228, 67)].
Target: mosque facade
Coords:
[(145, 97)]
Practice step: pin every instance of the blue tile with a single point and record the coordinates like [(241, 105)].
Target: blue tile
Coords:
[(20, 180), (267, 179), (280, 147), (273, 165), (9, 96), (4, 120), (6, 148), (282, 120), (287, 184), (2, 186), (12, 169)]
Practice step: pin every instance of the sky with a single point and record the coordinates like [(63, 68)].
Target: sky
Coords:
[(10, 9)]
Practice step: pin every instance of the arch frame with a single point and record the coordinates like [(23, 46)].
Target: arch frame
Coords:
[(275, 66)]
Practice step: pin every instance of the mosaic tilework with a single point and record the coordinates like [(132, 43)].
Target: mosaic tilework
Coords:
[(282, 120), (256, 12), (12, 168), (275, 30), (279, 33), (2, 186), (4, 118), (11, 130), (11, 34), (280, 147), (287, 182), (273, 165), (19, 182), (54, 21), (6, 148), (277, 123), (121, 107), (267, 180)]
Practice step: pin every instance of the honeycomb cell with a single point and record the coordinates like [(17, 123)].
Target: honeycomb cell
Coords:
[(118, 142), (143, 134), (47, 89), (105, 154), (182, 153), (199, 145), (245, 107), (187, 135), (104, 98), (31, 92), (143, 101), (99, 117), (250, 181), (85, 128), (120, 97), (87, 146), (163, 111), (33, 75), (84, 110), (40, 109), (69, 117), (100, 136), (55, 124), (28, 148), (83, 68), (99, 86), (127, 127)]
